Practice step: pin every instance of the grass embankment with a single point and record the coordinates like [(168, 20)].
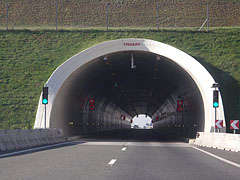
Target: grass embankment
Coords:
[(28, 58)]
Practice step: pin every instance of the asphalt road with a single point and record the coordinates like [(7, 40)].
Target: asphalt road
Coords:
[(122, 157)]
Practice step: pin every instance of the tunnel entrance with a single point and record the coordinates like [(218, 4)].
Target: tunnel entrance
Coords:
[(142, 121), (104, 87)]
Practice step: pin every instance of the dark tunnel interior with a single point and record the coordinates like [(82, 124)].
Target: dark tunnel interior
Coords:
[(106, 93)]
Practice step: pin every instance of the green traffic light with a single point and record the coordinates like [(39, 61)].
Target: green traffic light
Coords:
[(215, 104), (44, 101)]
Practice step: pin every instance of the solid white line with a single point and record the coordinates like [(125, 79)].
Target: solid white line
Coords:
[(33, 149), (124, 149), (112, 162), (217, 157)]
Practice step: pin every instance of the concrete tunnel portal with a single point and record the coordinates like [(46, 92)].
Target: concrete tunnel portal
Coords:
[(124, 78)]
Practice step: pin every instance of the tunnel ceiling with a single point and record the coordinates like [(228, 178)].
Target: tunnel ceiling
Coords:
[(140, 90)]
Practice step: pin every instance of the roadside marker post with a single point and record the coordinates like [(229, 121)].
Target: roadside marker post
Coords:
[(234, 124), (218, 124)]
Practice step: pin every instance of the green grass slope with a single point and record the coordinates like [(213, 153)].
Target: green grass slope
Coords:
[(28, 58)]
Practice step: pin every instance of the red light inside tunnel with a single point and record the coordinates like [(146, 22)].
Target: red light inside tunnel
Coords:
[(179, 105), (91, 104)]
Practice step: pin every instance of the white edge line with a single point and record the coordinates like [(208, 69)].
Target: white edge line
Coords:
[(112, 162), (33, 149), (217, 157)]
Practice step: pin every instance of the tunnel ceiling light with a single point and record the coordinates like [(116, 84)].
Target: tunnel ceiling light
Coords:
[(105, 58), (158, 57), (133, 66)]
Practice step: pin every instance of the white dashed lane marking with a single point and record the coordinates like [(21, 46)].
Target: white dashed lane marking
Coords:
[(124, 149), (112, 162)]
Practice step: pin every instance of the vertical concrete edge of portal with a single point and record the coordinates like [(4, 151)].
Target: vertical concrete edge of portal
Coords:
[(199, 74)]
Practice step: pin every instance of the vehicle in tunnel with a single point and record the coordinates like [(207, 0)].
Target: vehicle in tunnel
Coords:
[(165, 84)]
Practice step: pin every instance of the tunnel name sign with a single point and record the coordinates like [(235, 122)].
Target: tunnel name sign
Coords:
[(132, 44)]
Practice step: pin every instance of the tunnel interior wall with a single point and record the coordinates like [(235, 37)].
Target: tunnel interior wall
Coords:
[(156, 93), (71, 110), (183, 123)]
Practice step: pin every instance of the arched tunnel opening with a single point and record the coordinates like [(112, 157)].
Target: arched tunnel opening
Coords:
[(106, 93), (142, 121)]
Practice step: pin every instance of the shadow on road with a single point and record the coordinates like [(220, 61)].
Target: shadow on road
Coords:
[(132, 135)]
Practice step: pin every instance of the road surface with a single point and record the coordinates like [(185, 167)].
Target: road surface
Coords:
[(132, 155)]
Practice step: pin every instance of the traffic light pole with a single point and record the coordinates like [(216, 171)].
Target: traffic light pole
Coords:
[(45, 117), (215, 118), (215, 115)]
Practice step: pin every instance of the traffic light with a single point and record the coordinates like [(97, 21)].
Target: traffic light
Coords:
[(45, 95), (91, 104), (215, 99), (179, 105)]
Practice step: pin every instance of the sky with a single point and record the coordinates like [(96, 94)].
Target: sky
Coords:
[(141, 120)]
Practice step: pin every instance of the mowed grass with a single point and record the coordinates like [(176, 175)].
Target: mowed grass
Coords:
[(28, 58)]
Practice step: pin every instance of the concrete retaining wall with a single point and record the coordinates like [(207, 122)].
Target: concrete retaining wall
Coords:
[(222, 141), (20, 139)]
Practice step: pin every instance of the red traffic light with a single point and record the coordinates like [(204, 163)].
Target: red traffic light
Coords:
[(179, 105), (91, 104)]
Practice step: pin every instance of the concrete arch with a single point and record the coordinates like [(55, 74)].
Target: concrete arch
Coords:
[(64, 74)]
